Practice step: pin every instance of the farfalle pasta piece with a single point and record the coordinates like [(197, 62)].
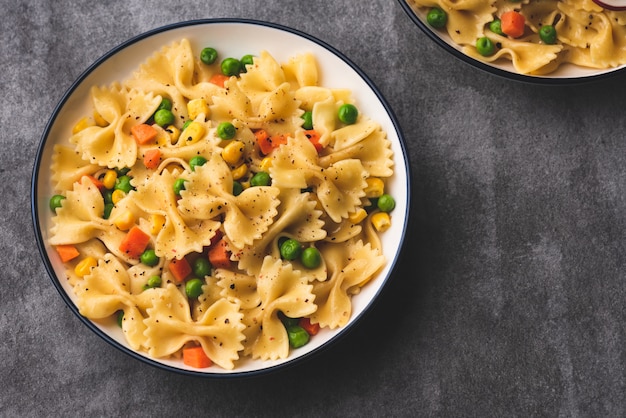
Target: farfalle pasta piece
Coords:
[(280, 289), (218, 330), (303, 69), (113, 145), (105, 291), (69, 167), (349, 265), (208, 194), (179, 235)]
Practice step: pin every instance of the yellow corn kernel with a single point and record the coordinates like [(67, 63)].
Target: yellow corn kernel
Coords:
[(266, 163), (85, 265), (233, 152), (240, 171), (124, 221), (357, 216), (81, 124), (109, 179), (157, 222), (381, 221), (197, 106), (100, 121), (174, 134), (375, 187), (117, 195), (192, 133)]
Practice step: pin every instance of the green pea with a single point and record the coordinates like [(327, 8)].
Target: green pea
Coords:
[(123, 183), (208, 55), (108, 195), (246, 60), (437, 18), (290, 249), (149, 258), (237, 188), (154, 281), (226, 130), (163, 117), (122, 171), (120, 318), (297, 336), (179, 185), (386, 203), (165, 104), (55, 202), (485, 47), (286, 320), (496, 26), (230, 66), (311, 258), (201, 267), (547, 33), (196, 161), (193, 288), (348, 113), (108, 207), (260, 179), (308, 120)]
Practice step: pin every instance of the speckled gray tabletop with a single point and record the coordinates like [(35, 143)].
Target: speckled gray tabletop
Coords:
[(509, 302)]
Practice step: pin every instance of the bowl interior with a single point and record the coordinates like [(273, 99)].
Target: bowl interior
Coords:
[(238, 37)]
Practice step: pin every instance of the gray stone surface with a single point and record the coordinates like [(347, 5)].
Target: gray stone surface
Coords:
[(509, 302)]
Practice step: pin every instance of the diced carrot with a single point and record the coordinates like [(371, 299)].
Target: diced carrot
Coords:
[(196, 357), (268, 143), (97, 182), (152, 158), (314, 137), (219, 255), (143, 133), (135, 242), (311, 329), (512, 23), (67, 252), (180, 269), (218, 79)]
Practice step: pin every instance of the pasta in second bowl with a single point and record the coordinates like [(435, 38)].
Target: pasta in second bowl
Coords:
[(544, 41), (221, 216)]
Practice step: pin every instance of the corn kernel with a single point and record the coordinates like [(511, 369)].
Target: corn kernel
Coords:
[(197, 106), (81, 124), (85, 265), (124, 221), (109, 179), (357, 216), (375, 187), (381, 221), (240, 171), (156, 223), (192, 133), (174, 134), (233, 152), (100, 121), (117, 195), (266, 163)]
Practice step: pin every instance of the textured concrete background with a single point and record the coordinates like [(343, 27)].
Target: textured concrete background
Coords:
[(510, 301)]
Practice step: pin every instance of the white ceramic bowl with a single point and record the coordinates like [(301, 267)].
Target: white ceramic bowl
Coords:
[(565, 74), (239, 37)]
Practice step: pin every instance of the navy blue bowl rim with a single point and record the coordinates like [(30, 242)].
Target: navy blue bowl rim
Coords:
[(55, 280), (552, 81)]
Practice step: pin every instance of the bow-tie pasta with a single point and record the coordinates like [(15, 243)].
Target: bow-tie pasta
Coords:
[(221, 217)]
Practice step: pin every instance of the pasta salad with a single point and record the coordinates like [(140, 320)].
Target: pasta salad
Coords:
[(537, 36), (221, 208)]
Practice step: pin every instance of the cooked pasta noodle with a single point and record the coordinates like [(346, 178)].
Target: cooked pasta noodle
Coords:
[(587, 34), (313, 194)]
